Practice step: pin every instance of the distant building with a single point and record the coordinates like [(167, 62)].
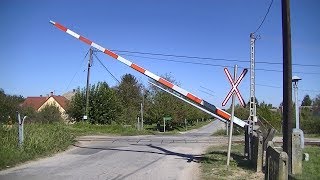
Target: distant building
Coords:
[(69, 94), (38, 103)]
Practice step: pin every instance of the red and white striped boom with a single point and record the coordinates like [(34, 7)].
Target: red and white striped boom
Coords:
[(155, 77)]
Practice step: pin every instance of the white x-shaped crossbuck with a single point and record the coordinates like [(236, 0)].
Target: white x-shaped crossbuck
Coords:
[(234, 85)]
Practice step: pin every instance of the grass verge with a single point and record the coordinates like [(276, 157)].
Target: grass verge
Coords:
[(310, 169), (40, 140), (213, 164)]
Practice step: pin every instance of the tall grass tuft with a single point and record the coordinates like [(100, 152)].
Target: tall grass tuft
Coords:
[(39, 140)]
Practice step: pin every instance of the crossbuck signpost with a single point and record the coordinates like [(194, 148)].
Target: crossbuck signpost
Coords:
[(234, 90)]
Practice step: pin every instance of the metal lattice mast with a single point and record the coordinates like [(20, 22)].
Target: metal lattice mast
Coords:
[(252, 103)]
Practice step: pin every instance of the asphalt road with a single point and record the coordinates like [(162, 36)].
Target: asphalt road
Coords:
[(130, 157)]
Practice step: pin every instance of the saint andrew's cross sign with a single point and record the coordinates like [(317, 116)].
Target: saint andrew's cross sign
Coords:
[(234, 84)]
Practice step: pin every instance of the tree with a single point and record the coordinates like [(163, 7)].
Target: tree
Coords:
[(9, 104), (49, 114), (306, 101), (104, 106), (316, 105), (163, 104), (76, 107), (129, 92)]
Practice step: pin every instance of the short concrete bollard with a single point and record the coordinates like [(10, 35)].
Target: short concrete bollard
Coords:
[(257, 152), (276, 163), (297, 155), (306, 157)]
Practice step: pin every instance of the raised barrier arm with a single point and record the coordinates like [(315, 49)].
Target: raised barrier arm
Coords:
[(155, 77)]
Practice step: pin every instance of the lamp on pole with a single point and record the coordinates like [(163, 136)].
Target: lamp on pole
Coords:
[(295, 80)]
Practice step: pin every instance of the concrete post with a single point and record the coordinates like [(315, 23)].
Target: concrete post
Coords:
[(138, 124), (185, 123), (276, 163), (20, 126), (297, 153), (227, 128), (257, 152)]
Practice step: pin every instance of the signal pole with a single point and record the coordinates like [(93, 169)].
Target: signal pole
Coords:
[(253, 110), (252, 103), (287, 85), (85, 117)]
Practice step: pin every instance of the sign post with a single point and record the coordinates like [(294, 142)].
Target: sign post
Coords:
[(234, 91), (164, 122)]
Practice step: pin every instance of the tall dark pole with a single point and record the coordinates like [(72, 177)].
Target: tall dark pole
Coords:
[(87, 87), (287, 85)]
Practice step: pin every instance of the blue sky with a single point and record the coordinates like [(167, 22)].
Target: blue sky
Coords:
[(37, 58)]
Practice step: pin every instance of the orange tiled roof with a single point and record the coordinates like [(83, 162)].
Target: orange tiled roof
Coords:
[(37, 102)]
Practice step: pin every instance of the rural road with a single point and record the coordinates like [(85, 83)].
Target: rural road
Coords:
[(124, 157)]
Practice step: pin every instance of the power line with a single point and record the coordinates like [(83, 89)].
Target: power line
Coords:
[(106, 68), (264, 18), (278, 87), (207, 89), (209, 64), (77, 71), (207, 58), (178, 61), (207, 93), (268, 86)]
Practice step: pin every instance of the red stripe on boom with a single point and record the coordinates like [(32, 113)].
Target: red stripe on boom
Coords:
[(223, 114), (166, 83), (62, 28), (194, 98), (111, 54), (85, 40), (138, 68)]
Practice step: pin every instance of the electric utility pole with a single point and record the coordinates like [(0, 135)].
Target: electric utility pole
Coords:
[(85, 117), (142, 104), (287, 85)]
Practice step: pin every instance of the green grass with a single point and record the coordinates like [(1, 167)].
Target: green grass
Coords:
[(312, 135), (311, 168), (213, 164), (40, 140)]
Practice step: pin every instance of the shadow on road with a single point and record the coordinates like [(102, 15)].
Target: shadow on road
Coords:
[(163, 151)]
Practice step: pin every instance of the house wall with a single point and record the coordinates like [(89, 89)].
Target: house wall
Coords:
[(52, 101)]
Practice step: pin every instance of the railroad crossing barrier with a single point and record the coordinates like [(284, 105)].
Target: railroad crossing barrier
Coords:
[(276, 163)]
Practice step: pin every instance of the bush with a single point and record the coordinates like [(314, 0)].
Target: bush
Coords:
[(104, 105), (311, 126), (310, 122), (49, 114)]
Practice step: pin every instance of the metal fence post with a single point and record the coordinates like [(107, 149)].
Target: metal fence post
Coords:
[(20, 130)]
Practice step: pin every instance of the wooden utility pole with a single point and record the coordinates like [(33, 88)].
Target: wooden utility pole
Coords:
[(87, 87), (287, 85)]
